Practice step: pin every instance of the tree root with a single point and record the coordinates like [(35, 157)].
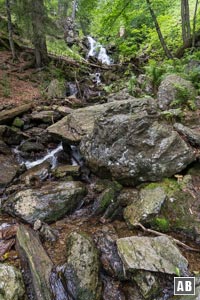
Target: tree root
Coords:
[(163, 234)]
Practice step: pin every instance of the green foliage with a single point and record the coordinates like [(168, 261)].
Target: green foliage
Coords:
[(132, 84), (161, 224), (183, 98), (5, 83)]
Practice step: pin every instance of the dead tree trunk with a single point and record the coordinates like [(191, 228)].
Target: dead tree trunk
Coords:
[(161, 38), (10, 29), (185, 18)]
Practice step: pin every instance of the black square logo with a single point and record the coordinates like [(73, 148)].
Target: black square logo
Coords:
[(184, 285)]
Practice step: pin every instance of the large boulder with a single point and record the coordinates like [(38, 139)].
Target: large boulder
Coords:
[(169, 91), (135, 148), (8, 169), (157, 254), (11, 283), (48, 203), (80, 122)]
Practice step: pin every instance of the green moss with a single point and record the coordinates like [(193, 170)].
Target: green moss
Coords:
[(19, 123), (161, 224)]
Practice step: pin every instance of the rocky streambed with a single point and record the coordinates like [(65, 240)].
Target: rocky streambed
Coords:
[(98, 202)]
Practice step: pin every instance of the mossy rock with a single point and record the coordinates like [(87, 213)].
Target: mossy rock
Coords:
[(19, 123)]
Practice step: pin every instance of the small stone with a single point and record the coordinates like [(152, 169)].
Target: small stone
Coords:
[(37, 225)]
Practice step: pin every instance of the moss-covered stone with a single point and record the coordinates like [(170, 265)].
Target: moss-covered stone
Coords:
[(19, 123)]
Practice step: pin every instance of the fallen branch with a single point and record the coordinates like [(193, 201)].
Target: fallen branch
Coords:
[(163, 234)]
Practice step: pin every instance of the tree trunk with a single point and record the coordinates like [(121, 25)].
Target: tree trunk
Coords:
[(161, 38), (194, 23), (10, 29), (39, 37), (185, 18)]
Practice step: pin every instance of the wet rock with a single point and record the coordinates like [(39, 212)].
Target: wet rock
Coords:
[(11, 136), (45, 116), (39, 172), (106, 198), (168, 90), (56, 89), (147, 206), (18, 122), (11, 283), (132, 292), (192, 135), (66, 170), (81, 272), (48, 203), (157, 254), (139, 149), (121, 95), (30, 146), (109, 256), (8, 169), (111, 289), (36, 264), (80, 122), (8, 115)]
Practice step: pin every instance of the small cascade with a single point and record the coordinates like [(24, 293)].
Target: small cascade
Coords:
[(51, 156), (98, 51)]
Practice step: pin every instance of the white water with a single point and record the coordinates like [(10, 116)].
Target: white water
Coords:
[(50, 156), (76, 156), (98, 51)]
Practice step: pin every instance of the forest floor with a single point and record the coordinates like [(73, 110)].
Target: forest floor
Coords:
[(15, 85)]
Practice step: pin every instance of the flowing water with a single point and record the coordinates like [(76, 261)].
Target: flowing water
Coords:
[(98, 51), (51, 156)]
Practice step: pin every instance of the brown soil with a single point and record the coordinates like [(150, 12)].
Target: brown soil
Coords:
[(15, 85)]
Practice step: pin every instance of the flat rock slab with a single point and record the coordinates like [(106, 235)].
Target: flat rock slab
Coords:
[(157, 254), (49, 203), (36, 264), (8, 115)]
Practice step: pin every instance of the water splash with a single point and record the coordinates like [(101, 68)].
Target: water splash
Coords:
[(98, 51), (50, 156)]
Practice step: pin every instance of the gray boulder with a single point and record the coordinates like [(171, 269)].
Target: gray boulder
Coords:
[(80, 122), (48, 203), (157, 254), (134, 148), (11, 283), (168, 90), (192, 135)]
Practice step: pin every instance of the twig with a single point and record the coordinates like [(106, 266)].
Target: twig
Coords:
[(163, 234)]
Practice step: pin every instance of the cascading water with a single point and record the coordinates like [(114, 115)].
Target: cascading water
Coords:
[(50, 156), (98, 51)]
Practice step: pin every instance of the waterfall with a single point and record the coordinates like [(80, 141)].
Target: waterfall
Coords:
[(98, 51)]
